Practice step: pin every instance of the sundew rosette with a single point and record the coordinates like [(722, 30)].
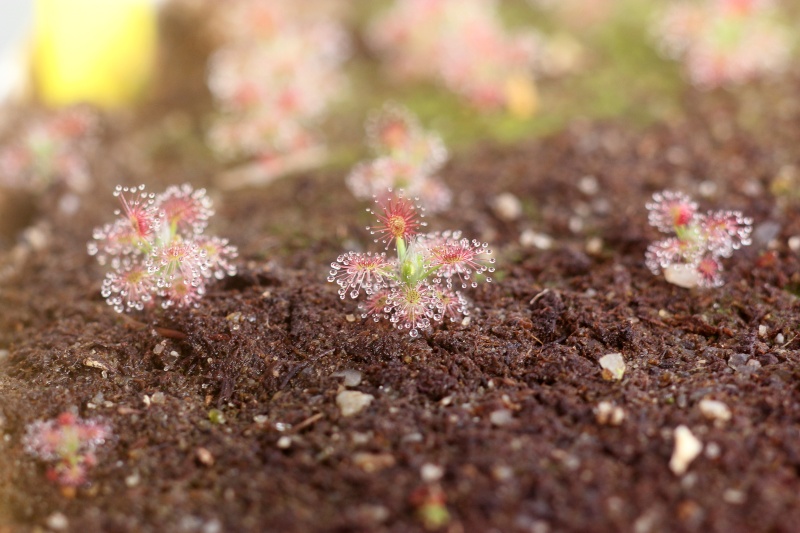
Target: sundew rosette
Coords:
[(725, 42), (156, 249), (407, 158), (693, 257), (421, 285)]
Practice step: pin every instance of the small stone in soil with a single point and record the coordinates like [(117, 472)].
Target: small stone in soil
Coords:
[(734, 497), (594, 246), (613, 366), (352, 378), (606, 413), (687, 448), (588, 185), (352, 402), (57, 521), (373, 462), (715, 410), (284, 443), (713, 450), (204, 456), (260, 419), (507, 206), (537, 240), (501, 417), (431, 472), (132, 480), (158, 398), (736, 360)]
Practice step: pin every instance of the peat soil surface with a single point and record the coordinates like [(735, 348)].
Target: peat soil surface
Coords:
[(487, 425)]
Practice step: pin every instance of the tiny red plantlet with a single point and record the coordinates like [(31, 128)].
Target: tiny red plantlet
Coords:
[(418, 287), (692, 257), (157, 250), (68, 441)]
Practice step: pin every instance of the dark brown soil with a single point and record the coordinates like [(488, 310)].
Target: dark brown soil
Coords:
[(504, 405)]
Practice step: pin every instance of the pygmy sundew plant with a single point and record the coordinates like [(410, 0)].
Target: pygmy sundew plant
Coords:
[(273, 79), (464, 46), (51, 149), (418, 287), (407, 159), (68, 441), (725, 42), (692, 257), (156, 249)]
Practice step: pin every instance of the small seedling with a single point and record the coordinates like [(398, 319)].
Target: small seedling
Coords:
[(465, 46), (156, 249), (51, 150), (68, 441), (408, 158), (725, 42), (273, 79), (692, 257), (418, 287)]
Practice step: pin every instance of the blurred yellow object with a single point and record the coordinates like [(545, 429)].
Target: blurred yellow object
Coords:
[(96, 51), (522, 97)]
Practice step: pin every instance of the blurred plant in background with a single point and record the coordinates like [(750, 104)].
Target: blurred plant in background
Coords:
[(408, 158), (725, 42), (273, 79), (692, 257), (462, 45), (51, 149), (417, 288), (156, 249), (68, 441)]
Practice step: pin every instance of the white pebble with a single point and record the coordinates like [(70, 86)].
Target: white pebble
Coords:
[(594, 246), (507, 206), (588, 185), (734, 497), (431, 472), (687, 448), (501, 417), (57, 521), (713, 450), (285, 442), (715, 410), (613, 366), (682, 276), (707, 188), (352, 378), (606, 413), (794, 243), (351, 402), (537, 240), (132, 480), (158, 398), (762, 330)]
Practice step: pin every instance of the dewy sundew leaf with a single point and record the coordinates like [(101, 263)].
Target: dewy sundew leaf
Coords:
[(420, 286)]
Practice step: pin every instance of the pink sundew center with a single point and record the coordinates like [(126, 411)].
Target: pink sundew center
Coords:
[(397, 226), (682, 215), (395, 135)]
